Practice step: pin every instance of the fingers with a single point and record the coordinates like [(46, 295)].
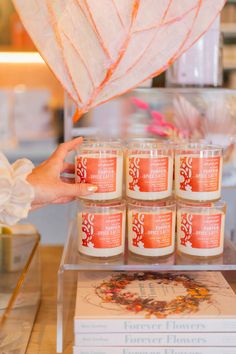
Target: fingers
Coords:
[(68, 180), (66, 147), (68, 168), (77, 189)]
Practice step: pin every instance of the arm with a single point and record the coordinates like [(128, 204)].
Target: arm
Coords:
[(24, 188)]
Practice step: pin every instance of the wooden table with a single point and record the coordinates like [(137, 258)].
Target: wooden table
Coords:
[(43, 337)]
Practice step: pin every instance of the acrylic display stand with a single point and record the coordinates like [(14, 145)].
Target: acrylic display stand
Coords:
[(72, 262)]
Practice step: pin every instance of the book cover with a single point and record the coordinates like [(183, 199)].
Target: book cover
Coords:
[(154, 302), (144, 350), (155, 339)]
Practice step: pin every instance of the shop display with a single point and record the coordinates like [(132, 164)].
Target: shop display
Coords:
[(151, 223), (17, 246), (154, 309), (28, 103), (151, 228), (149, 170), (200, 228), (101, 229), (7, 132), (201, 65), (198, 172), (101, 164)]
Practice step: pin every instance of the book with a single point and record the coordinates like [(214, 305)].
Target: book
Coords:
[(144, 350), (154, 302), (155, 339)]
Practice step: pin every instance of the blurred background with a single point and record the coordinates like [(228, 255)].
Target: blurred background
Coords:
[(32, 105)]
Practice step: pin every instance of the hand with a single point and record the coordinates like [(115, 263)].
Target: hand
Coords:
[(49, 186)]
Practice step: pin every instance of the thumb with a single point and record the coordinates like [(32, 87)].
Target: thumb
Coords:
[(77, 189)]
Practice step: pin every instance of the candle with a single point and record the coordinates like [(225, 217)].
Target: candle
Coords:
[(151, 227), (101, 164), (149, 170), (198, 172), (200, 228), (101, 228)]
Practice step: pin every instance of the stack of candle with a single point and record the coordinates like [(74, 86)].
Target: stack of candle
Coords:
[(151, 208), (200, 216), (151, 212), (102, 216)]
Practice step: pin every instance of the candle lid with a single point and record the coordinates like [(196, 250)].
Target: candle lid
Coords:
[(219, 204), (150, 144), (150, 204), (106, 204), (97, 144), (192, 148)]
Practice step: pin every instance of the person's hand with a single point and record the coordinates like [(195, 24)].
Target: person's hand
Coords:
[(50, 187)]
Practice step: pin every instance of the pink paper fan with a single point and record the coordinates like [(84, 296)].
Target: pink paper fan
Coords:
[(99, 49)]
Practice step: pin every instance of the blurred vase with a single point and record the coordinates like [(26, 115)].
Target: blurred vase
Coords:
[(201, 65)]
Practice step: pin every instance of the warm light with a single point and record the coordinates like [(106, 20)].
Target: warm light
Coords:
[(20, 58)]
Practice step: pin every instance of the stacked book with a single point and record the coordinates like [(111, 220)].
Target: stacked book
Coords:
[(154, 313)]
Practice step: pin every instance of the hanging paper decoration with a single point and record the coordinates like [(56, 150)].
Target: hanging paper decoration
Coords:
[(99, 49)]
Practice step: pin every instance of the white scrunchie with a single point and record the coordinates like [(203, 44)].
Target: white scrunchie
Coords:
[(16, 194)]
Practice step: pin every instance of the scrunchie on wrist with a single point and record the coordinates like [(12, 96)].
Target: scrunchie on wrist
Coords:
[(16, 194)]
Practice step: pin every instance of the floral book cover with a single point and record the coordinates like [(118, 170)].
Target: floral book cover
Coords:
[(139, 302)]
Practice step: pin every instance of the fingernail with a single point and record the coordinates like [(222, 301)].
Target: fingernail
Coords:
[(92, 188)]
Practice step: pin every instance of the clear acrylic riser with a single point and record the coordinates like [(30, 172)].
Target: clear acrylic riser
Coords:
[(119, 118), (20, 290), (73, 262)]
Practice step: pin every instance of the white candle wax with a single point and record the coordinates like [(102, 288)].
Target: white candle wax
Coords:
[(149, 177), (151, 233), (200, 233), (101, 234)]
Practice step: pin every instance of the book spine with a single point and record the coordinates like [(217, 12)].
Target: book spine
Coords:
[(144, 350), (149, 326), (155, 339)]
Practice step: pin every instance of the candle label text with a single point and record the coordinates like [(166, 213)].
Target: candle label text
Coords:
[(98, 171), (200, 231), (101, 230), (148, 174), (199, 174), (152, 230)]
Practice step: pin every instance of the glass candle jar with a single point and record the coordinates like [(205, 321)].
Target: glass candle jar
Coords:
[(198, 172), (200, 228), (149, 170), (101, 164), (151, 227), (101, 228)]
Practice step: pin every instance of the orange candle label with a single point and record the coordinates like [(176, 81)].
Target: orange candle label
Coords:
[(201, 231), (101, 230), (148, 174), (152, 230), (199, 174), (98, 171)]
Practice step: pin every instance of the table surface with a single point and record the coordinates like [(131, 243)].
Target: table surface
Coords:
[(43, 337)]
